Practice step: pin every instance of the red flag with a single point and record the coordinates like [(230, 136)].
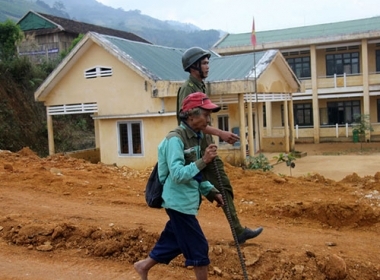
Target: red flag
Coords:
[(253, 35)]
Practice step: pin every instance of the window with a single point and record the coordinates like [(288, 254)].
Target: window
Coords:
[(99, 71), (377, 60), (342, 112), (130, 138), (223, 124), (300, 66), (303, 114), (342, 63)]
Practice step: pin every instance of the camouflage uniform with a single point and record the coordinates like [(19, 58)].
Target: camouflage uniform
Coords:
[(209, 173)]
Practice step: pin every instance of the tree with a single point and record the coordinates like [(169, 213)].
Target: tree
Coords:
[(360, 126), (10, 36)]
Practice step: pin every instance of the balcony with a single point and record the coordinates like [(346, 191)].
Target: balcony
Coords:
[(345, 82), (333, 133)]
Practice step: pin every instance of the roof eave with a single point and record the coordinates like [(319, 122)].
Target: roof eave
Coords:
[(24, 16), (219, 41), (288, 73), (232, 86)]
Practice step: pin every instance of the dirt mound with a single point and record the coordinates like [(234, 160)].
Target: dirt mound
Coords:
[(70, 209), (27, 152)]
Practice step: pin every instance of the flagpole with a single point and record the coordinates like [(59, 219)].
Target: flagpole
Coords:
[(253, 41), (257, 102)]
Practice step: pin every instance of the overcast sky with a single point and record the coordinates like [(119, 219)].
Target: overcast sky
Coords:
[(235, 16)]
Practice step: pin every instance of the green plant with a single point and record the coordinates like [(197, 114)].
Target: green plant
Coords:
[(63, 54), (259, 162), (288, 159), (361, 125)]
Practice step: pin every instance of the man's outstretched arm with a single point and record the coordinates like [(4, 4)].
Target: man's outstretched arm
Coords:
[(226, 136)]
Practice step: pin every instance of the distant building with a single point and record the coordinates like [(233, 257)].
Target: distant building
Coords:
[(130, 89), (46, 35), (338, 65)]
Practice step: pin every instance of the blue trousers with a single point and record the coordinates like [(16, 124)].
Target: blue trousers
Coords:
[(182, 234)]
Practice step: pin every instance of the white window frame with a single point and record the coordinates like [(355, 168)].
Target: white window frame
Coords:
[(227, 117), (129, 146)]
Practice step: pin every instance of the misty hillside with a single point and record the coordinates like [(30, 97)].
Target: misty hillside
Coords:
[(165, 33)]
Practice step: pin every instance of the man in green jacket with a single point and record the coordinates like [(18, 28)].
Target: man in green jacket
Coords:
[(179, 165), (196, 61)]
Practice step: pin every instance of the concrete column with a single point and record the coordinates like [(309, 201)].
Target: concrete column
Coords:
[(286, 125), (291, 124), (268, 117), (366, 97), (314, 88), (96, 127), (250, 129), (259, 125), (49, 120), (243, 141)]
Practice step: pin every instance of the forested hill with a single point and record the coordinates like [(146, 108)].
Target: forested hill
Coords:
[(165, 33), (22, 120)]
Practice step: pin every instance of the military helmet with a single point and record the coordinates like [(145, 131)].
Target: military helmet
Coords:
[(190, 56)]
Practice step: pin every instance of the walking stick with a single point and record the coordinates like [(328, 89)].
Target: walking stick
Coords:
[(229, 218)]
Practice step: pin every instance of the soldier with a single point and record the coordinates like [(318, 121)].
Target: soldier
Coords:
[(196, 61)]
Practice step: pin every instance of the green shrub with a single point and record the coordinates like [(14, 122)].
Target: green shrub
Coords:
[(260, 162)]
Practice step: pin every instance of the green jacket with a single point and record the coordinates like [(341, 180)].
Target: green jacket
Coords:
[(179, 161), (190, 86)]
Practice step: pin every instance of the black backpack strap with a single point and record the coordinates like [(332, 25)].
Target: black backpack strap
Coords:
[(178, 131), (178, 120)]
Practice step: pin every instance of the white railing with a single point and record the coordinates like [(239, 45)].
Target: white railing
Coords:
[(338, 129), (68, 109)]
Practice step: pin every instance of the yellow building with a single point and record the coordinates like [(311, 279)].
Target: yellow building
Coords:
[(338, 65), (130, 89)]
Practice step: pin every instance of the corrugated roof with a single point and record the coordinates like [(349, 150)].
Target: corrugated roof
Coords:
[(233, 67), (305, 32), (165, 63)]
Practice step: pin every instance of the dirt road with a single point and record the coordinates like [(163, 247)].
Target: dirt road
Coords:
[(64, 218)]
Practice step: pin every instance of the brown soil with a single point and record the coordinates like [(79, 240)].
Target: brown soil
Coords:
[(64, 218)]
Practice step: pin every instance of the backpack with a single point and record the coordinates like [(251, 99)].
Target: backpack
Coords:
[(153, 189)]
